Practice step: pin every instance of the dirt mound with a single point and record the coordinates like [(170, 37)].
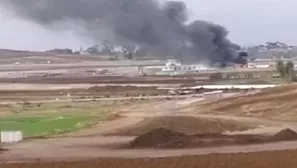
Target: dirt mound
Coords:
[(186, 125), (156, 138), (285, 135), (168, 139)]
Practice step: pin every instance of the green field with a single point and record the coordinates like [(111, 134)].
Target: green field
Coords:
[(36, 120), (42, 126)]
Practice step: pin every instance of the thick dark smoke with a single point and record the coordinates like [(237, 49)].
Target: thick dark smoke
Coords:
[(160, 29)]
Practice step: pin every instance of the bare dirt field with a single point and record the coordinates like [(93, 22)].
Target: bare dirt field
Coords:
[(276, 159), (97, 142), (274, 103), (256, 130), (27, 92), (184, 124)]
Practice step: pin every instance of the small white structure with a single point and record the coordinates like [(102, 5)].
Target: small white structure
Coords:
[(11, 136), (214, 95), (175, 66), (263, 66)]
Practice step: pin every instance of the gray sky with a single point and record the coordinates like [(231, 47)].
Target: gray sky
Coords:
[(249, 22)]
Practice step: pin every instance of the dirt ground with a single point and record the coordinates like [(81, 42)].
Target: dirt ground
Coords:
[(276, 159), (95, 144), (29, 92), (228, 120), (274, 103), (187, 125)]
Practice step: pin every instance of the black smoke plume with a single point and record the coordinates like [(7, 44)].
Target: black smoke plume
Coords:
[(160, 29)]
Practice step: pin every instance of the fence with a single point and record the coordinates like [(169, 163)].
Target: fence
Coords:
[(11, 136)]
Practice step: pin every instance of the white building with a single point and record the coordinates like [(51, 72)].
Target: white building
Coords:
[(175, 66)]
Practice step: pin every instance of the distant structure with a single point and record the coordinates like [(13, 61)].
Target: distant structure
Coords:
[(61, 51), (272, 50), (175, 66)]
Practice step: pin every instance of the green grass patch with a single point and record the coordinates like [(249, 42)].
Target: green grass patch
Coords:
[(44, 126), (36, 120), (46, 119)]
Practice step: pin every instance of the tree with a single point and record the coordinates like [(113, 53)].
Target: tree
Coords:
[(281, 68), (289, 70), (108, 48), (93, 50), (129, 51), (129, 55), (286, 71)]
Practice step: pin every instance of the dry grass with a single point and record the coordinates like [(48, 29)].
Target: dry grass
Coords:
[(23, 94), (276, 103)]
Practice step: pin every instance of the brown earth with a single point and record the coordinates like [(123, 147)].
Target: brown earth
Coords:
[(184, 124), (183, 80), (88, 147), (156, 138), (272, 159), (127, 90), (285, 134), (274, 103), (91, 92), (166, 138)]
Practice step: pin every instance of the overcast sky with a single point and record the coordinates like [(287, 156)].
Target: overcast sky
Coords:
[(249, 22)]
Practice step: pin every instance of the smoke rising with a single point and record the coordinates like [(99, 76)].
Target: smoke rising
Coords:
[(160, 29)]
